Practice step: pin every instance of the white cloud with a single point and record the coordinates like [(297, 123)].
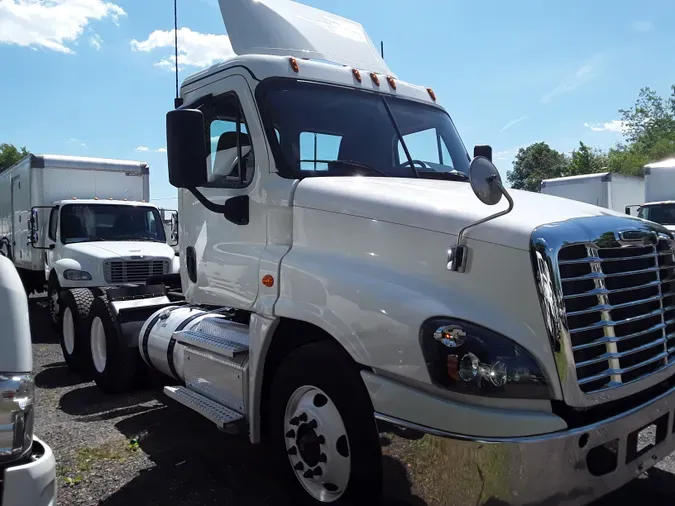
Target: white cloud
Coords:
[(581, 76), (51, 24), (146, 149), (96, 41), (643, 26), (194, 49), (511, 123), (615, 125), (77, 141)]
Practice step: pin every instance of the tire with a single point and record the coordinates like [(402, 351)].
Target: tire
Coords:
[(320, 380), (54, 301), (114, 365), (75, 305)]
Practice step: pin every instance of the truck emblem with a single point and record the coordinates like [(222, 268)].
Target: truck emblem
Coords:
[(638, 235)]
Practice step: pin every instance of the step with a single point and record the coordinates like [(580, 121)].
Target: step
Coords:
[(225, 329), (210, 342), (217, 413)]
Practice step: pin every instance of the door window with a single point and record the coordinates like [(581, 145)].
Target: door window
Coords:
[(53, 223)]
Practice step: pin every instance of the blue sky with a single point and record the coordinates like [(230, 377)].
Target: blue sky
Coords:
[(94, 77)]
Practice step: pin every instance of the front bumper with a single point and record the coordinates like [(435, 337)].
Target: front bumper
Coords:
[(32, 483), (567, 468)]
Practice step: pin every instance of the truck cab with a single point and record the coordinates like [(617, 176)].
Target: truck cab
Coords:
[(365, 297), (660, 212)]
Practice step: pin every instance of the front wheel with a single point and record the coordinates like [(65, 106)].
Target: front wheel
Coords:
[(114, 364), (322, 430), (75, 306)]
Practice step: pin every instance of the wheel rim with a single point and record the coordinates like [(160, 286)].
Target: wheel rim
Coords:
[(317, 444), (68, 331), (98, 348)]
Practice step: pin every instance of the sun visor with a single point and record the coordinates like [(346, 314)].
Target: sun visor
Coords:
[(282, 27)]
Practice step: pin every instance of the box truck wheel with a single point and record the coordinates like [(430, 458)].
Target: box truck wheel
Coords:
[(75, 305), (114, 364), (54, 300), (322, 431)]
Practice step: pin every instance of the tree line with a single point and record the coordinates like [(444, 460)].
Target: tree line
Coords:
[(10, 154), (648, 129)]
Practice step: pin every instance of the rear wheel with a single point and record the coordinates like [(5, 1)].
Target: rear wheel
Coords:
[(75, 306), (114, 364), (322, 431)]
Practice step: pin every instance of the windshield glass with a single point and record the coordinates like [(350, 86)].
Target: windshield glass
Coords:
[(323, 130), (110, 222), (663, 214)]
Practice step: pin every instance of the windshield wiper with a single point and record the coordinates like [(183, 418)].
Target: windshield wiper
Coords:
[(452, 175), (349, 163), (400, 137)]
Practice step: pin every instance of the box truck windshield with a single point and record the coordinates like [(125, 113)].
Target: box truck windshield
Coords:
[(110, 222), (319, 130), (661, 213)]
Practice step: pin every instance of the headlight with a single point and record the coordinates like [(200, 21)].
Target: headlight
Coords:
[(470, 359), (74, 275), (16, 414)]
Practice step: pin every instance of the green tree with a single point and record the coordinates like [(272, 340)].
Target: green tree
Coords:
[(534, 163), (9, 155), (650, 121), (586, 160)]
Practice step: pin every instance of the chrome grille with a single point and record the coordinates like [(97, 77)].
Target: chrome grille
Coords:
[(619, 305), (133, 271)]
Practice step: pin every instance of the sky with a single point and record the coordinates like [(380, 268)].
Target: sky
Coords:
[(95, 77)]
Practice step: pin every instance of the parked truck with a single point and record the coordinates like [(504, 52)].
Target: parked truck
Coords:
[(27, 465), (74, 224), (659, 195), (369, 305), (604, 189)]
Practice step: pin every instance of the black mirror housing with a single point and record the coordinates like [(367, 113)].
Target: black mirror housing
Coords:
[(186, 148), (483, 150)]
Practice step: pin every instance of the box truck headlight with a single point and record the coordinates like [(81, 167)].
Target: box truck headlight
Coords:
[(16, 414), (75, 275), (470, 359)]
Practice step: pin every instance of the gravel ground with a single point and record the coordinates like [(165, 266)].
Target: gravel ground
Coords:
[(144, 449)]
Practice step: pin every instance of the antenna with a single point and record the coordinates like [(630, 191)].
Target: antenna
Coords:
[(177, 102), (382, 48)]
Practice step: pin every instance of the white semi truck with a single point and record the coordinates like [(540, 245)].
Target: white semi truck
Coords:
[(74, 224), (604, 189), (27, 465), (659, 195), (349, 271)]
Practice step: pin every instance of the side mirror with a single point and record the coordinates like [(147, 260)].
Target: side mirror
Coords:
[(174, 228), (628, 209), (186, 148), (483, 150), (486, 183), (33, 237)]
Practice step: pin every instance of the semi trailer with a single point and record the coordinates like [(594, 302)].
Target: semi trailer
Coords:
[(659, 196), (606, 189), (73, 224), (27, 465), (367, 304)]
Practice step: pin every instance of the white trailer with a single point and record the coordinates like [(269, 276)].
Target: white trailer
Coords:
[(605, 189), (659, 196)]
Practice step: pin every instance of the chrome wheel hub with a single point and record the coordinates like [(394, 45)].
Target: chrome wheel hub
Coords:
[(317, 444)]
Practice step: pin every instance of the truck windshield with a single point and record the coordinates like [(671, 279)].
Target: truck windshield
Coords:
[(662, 213), (110, 222), (325, 130)]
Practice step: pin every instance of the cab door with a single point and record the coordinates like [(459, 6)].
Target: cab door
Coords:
[(222, 257)]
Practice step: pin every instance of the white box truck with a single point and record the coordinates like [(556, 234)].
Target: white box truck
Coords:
[(604, 189), (659, 196), (73, 224), (392, 321)]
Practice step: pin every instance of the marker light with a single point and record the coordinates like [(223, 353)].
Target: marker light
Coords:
[(375, 79), (357, 74), (432, 94), (391, 82), (294, 64)]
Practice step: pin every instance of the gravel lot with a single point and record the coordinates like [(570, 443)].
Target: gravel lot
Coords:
[(144, 449)]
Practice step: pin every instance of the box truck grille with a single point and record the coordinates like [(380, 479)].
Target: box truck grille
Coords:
[(620, 308), (133, 271)]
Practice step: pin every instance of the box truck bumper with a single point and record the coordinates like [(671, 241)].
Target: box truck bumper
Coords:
[(570, 467), (32, 483)]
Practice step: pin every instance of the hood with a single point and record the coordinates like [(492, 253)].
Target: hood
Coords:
[(117, 249), (440, 206)]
